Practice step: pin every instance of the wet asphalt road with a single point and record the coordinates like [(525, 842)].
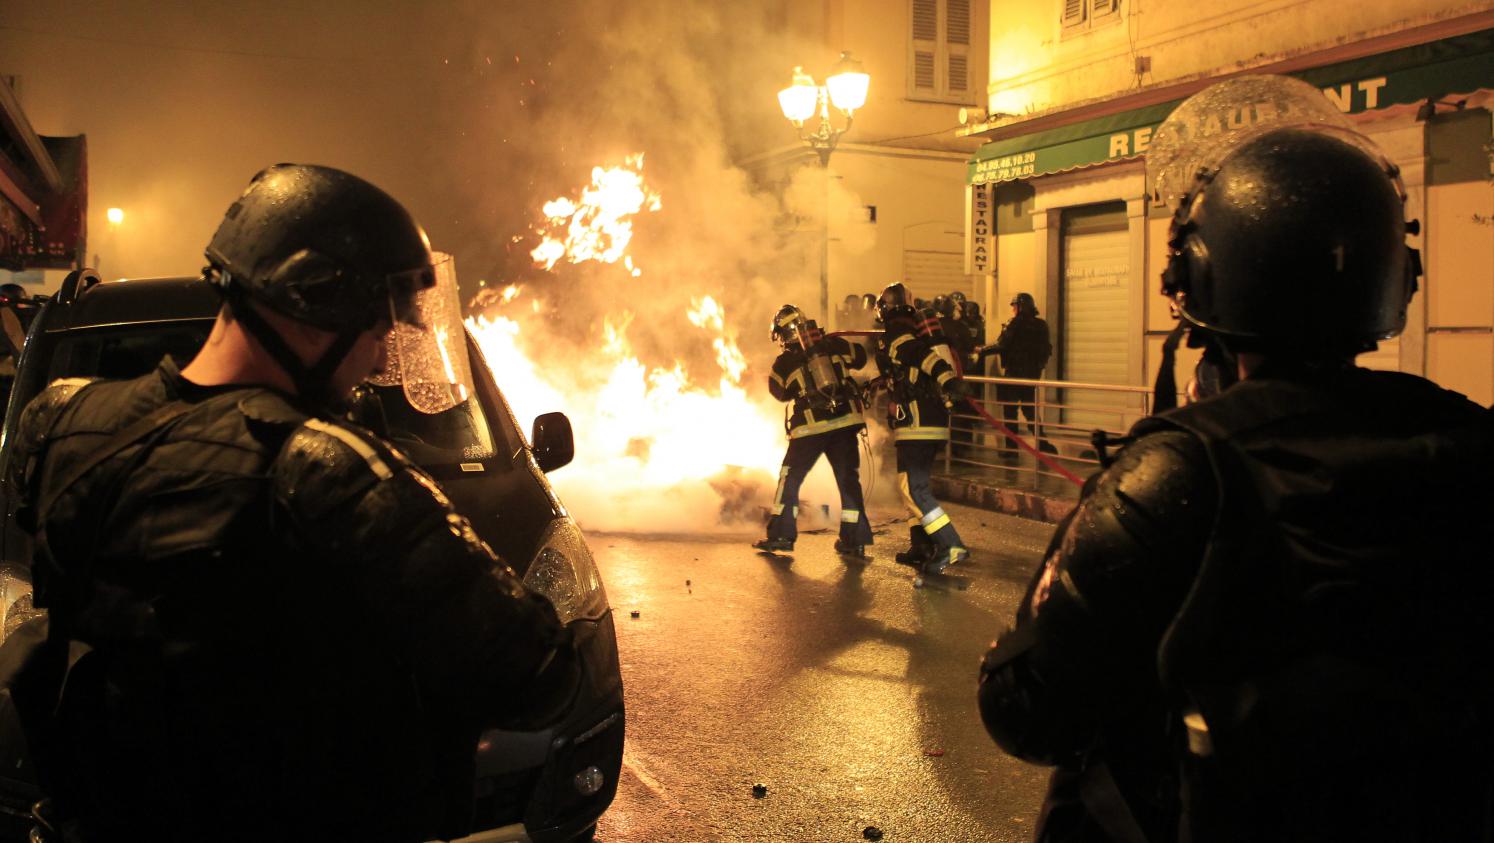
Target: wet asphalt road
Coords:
[(844, 689)]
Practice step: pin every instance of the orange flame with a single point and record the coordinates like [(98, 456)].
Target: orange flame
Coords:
[(598, 226)]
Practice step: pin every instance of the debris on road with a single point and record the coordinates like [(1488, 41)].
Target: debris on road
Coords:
[(759, 790), (871, 832), (918, 582), (635, 613)]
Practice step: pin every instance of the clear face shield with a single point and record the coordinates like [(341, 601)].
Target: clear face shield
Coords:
[(429, 360), (1199, 134)]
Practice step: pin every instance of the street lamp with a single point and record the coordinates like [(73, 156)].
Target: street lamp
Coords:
[(846, 90)]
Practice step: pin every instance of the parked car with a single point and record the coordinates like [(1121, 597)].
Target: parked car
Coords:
[(548, 785)]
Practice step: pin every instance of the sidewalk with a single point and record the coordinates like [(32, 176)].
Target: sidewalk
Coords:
[(1008, 490)]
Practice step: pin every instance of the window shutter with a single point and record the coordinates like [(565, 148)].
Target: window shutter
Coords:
[(957, 47), (1074, 11), (923, 70), (1103, 8), (925, 20), (925, 44), (959, 21)]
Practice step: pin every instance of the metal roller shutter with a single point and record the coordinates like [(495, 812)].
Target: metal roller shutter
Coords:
[(1094, 316), (929, 273)]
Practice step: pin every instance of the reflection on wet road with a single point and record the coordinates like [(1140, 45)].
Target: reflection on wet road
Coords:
[(846, 691)]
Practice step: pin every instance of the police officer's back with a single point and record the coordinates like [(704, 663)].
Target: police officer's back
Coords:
[(274, 626), (1266, 620)]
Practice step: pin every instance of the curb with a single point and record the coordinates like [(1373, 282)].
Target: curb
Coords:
[(1019, 502)]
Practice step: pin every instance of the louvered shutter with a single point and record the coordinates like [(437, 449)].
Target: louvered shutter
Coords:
[(1101, 9), (925, 45), (932, 272), (957, 46), (1075, 12)]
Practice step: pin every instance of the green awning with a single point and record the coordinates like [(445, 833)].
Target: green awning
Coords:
[(1440, 69)]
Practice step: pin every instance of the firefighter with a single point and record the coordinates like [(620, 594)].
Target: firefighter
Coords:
[(1268, 618), (922, 387), (265, 623), (813, 374)]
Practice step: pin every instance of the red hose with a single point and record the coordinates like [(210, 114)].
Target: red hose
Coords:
[(1041, 457)]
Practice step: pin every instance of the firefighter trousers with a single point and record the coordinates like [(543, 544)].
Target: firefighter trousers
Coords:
[(843, 450), (930, 523)]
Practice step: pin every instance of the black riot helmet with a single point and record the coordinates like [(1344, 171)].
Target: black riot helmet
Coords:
[(896, 303), (787, 324), (1295, 242), (1025, 304), (322, 247)]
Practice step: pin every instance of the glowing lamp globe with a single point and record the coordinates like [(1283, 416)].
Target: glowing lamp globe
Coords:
[(799, 98), (848, 85), (115, 215)]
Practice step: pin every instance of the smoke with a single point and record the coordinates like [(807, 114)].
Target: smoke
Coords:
[(474, 114)]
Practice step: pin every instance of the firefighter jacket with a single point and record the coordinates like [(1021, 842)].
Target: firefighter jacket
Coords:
[(289, 633), (819, 408), (916, 374), (1281, 592)]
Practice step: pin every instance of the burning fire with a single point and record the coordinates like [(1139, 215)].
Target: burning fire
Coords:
[(657, 447), (598, 226)]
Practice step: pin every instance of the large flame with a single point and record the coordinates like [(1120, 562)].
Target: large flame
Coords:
[(598, 226), (657, 446)]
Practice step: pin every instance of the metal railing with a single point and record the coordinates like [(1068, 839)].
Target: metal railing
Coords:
[(1065, 416)]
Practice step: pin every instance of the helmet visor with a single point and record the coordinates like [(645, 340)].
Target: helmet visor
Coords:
[(1201, 132), (427, 348)]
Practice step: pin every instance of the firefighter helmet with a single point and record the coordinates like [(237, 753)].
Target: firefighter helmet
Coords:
[(896, 303), (786, 324)]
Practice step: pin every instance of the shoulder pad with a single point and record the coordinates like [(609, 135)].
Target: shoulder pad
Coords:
[(39, 416), (271, 408), (324, 464)]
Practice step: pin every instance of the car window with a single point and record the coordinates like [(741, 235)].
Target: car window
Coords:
[(460, 434), (123, 353)]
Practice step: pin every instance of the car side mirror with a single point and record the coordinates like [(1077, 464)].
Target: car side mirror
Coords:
[(552, 442)]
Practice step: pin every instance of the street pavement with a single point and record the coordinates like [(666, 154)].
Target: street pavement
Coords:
[(845, 690)]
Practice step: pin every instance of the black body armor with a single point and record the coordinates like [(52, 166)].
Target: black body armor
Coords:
[(286, 631), (1276, 597)]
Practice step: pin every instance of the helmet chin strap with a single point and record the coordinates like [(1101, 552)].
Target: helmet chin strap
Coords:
[(313, 383)]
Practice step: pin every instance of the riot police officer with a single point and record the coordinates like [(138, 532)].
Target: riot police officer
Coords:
[(922, 386), (813, 372), (1267, 619), (1024, 347), (286, 632)]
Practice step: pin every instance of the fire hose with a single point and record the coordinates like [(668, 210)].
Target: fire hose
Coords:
[(1041, 457), (880, 383)]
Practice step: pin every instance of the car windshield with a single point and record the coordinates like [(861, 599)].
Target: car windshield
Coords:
[(456, 435)]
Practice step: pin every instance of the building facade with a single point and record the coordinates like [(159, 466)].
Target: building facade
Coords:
[(887, 204), (1057, 192)]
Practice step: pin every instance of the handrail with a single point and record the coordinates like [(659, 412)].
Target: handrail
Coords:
[(1101, 387)]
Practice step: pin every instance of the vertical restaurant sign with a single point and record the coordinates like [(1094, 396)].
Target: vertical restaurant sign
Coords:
[(980, 238)]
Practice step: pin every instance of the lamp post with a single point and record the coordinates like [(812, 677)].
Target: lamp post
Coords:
[(845, 89)]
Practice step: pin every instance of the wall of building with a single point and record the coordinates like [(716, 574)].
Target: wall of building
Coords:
[(1444, 163), (1038, 65)]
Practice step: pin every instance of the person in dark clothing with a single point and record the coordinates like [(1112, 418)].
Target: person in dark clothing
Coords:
[(265, 623), (1023, 347), (922, 388), (813, 372), (1267, 619)]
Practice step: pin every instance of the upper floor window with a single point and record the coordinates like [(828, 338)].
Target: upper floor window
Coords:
[(941, 65), (1083, 15)]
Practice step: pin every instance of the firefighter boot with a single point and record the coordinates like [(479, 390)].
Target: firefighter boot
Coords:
[(920, 548)]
